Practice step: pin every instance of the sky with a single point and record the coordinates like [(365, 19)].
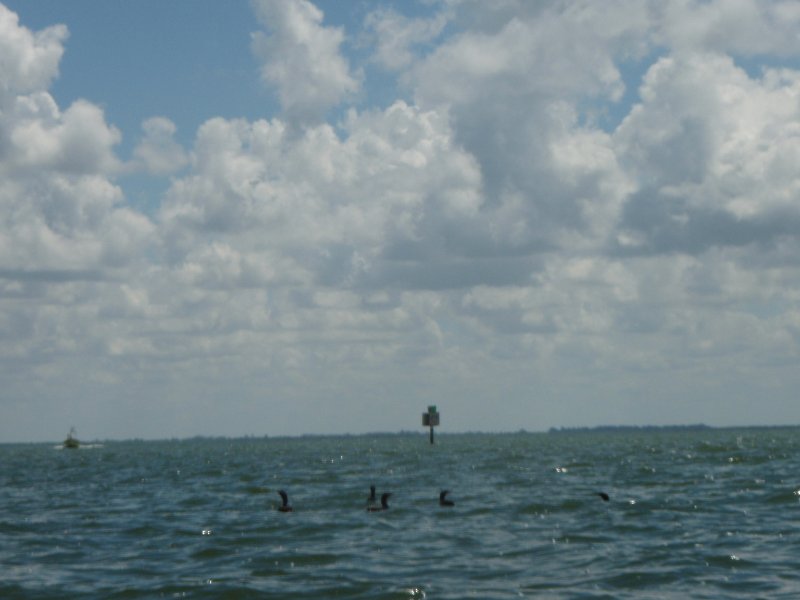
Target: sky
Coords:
[(283, 217)]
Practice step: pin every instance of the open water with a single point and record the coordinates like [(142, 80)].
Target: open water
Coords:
[(692, 514)]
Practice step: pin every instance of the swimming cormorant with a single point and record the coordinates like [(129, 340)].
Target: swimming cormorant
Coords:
[(384, 503), (443, 501), (284, 507)]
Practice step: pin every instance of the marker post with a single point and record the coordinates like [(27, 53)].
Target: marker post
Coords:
[(430, 419)]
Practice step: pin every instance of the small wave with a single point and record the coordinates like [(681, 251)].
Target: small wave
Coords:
[(207, 553)]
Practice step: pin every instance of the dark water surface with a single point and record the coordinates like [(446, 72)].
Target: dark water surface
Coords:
[(692, 514)]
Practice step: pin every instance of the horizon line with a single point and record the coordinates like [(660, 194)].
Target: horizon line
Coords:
[(407, 432)]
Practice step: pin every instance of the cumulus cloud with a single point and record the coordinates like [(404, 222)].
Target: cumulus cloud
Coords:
[(158, 152), (710, 150), (512, 86), (30, 60), (63, 217), (77, 141), (302, 59), (341, 209), (399, 36), (738, 27)]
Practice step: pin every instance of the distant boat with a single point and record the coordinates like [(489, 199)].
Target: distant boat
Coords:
[(71, 441)]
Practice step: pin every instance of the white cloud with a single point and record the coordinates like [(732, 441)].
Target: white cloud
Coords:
[(79, 141), (302, 59), (30, 60), (710, 149), (158, 152), (330, 207), (398, 36), (63, 216), (513, 85), (739, 27)]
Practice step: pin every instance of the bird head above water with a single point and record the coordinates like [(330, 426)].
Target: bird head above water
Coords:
[(284, 507), (443, 500)]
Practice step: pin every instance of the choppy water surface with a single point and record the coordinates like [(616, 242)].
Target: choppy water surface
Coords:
[(700, 514)]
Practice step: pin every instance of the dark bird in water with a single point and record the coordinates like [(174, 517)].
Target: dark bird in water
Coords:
[(603, 495), (371, 499), (384, 503), (443, 501), (284, 507)]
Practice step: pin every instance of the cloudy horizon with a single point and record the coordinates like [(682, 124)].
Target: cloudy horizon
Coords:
[(291, 217)]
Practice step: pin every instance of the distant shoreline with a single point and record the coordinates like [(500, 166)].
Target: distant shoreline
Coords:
[(656, 428), (411, 433), (621, 428)]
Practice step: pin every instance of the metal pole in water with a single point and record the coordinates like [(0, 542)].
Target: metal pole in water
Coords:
[(430, 419)]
